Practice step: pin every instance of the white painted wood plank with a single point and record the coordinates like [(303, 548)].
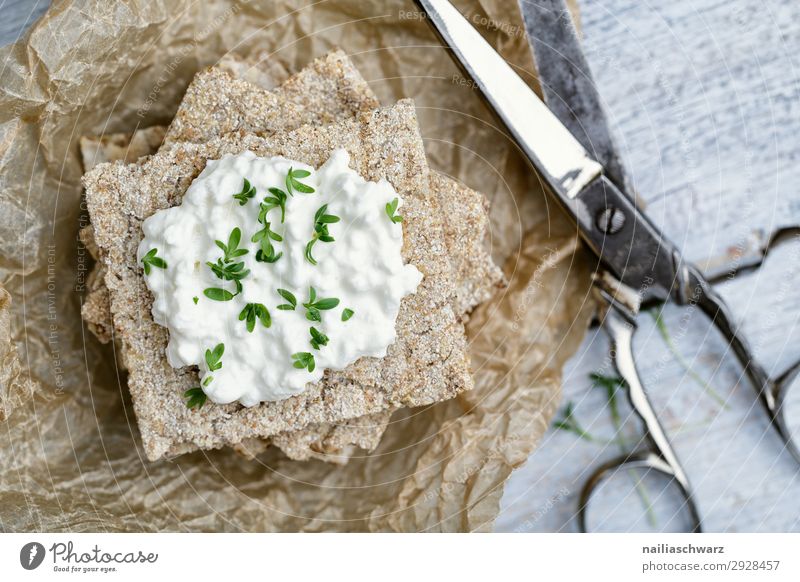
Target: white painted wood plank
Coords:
[(17, 15), (704, 96)]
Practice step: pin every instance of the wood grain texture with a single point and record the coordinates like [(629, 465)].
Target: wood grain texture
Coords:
[(704, 97)]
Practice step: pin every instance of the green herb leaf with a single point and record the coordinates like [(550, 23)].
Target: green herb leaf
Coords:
[(291, 300), (262, 313), (195, 299), (321, 222), (253, 312), (347, 313), (569, 423), (317, 338), (268, 257), (217, 294), (391, 208), (293, 184), (231, 249), (266, 253), (314, 306), (321, 216), (277, 200), (325, 304), (195, 398), (226, 269), (265, 236), (151, 260), (246, 194), (304, 360), (309, 257), (610, 384), (214, 357), (249, 314), (234, 239)]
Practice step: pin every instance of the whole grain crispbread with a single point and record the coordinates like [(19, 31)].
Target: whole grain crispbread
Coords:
[(465, 231), (336, 89), (120, 146), (330, 442), (426, 364), (330, 86), (96, 308), (329, 89)]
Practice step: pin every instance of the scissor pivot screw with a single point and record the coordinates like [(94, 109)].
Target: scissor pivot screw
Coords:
[(610, 220)]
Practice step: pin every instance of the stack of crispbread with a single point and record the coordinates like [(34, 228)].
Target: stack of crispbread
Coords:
[(325, 106)]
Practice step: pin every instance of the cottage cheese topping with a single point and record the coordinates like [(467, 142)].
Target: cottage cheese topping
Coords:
[(362, 268)]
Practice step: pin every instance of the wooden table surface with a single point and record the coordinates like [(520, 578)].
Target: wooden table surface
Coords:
[(705, 97)]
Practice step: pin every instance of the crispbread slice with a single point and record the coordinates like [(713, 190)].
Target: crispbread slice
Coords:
[(426, 364), (330, 86), (260, 68), (333, 443), (124, 147), (329, 89), (96, 308), (465, 228)]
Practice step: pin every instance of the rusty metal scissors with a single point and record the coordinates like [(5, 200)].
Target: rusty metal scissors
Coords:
[(638, 265)]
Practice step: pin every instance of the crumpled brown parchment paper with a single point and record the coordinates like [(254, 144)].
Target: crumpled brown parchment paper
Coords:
[(70, 457)]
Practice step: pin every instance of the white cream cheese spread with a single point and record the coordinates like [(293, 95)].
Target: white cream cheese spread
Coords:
[(270, 272)]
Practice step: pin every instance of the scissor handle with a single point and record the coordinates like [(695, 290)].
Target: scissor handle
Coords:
[(781, 388), (638, 460), (771, 393), (620, 325)]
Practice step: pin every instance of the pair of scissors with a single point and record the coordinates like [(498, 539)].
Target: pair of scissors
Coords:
[(638, 265)]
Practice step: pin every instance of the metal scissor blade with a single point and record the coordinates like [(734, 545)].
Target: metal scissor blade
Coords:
[(559, 158), (568, 86), (629, 245)]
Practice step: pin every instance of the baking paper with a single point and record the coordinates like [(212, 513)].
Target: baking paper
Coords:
[(70, 456)]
